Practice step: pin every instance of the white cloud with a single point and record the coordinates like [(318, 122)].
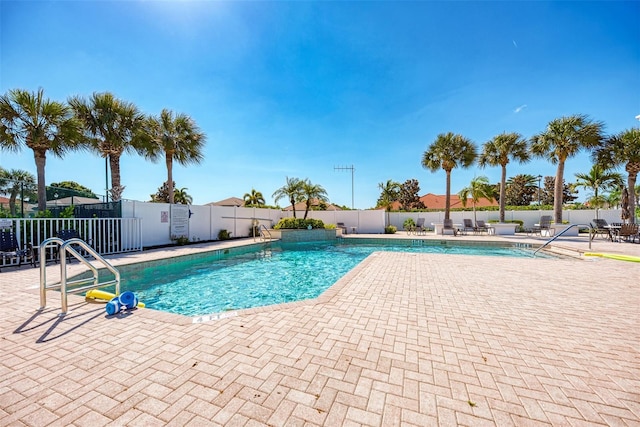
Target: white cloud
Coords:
[(514, 43), (520, 108)]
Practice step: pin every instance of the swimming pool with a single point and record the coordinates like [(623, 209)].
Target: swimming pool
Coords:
[(260, 275)]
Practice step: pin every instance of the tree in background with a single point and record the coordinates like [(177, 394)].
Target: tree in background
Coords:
[(181, 197), (113, 127), (291, 190), (77, 189), (622, 149), (598, 179), (521, 190), (17, 182), (408, 195), (178, 138), (548, 192), (254, 198), (162, 195), (478, 189), (389, 193), (447, 152), (29, 119), (498, 152), (312, 192), (564, 138)]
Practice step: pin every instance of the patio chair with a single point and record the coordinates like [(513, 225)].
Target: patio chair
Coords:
[(9, 248), (342, 226), (628, 232), (448, 225), (65, 235), (544, 226), (481, 227), (420, 228), (467, 226), (600, 226)]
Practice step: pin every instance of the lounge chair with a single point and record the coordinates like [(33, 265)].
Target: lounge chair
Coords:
[(9, 248), (600, 226), (544, 227), (342, 226), (467, 226), (481, 227), (448, 225)]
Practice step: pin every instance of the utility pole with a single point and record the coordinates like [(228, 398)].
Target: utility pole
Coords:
[(352, 169)]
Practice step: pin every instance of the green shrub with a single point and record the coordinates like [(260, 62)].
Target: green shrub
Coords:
[(224, 235), (329, 226), (390, 229), (408, 223), (298, 223)]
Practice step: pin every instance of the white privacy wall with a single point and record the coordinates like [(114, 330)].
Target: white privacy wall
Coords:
[(206, 221)]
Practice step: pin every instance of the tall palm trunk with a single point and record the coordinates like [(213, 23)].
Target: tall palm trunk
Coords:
[(169, 163), (503, 192), (447, 199), (558, 192), (114, 165), (632, 170), (293, 205), (41, 160)]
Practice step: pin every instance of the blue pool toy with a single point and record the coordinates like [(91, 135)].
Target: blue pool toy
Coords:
[(128, 299), (114, 306)]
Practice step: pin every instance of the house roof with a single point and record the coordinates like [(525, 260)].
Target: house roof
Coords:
[(230, 201), (437, 201)]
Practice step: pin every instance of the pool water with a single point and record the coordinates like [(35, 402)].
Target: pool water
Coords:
[(267, 275)]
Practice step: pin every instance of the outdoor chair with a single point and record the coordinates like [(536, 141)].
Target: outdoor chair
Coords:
[(600, 226), (448, 225), (628, 232), (67, 235), (10, 250), (467, 226), (481, 227), (342, 227), (419, 228), (544, 226)]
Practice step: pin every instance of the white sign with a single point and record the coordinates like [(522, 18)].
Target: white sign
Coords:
[(6, 223), (179, 220)]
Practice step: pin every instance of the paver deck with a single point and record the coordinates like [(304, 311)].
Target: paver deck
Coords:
[(403, 339)]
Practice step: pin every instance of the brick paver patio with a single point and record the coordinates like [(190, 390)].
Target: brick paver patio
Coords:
[(403, 339)]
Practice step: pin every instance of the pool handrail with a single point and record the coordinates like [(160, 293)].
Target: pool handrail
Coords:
[(591, 234), (64, 249)]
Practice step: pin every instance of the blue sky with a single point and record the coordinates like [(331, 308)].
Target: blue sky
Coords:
[(298, 88)]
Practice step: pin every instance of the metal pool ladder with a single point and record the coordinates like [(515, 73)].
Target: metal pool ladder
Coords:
[(591, 235), (80, 285)]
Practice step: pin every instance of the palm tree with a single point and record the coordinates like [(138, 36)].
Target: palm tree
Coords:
[(312, 192), (28, 118), (478, 189), (113, 127), (178, 138), (564, 138), (181, 197), (498, 152), (255, 198), (293, 190), (447, 152), (622, 149), (18, 182), (389, 193), (598, 179)]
